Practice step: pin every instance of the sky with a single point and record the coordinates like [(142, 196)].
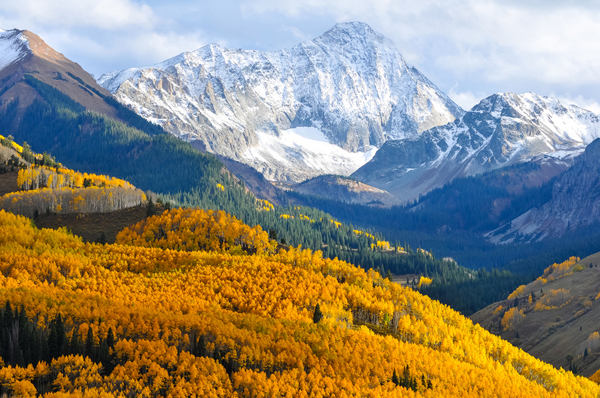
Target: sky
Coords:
[(470, 49)]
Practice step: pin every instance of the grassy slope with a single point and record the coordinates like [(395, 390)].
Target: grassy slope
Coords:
[(8, 182), (551, 335), (90, 226)]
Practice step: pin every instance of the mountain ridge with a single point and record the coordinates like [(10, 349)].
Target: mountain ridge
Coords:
[(350, 83), (32, 56), (575, 203), (501, 130)]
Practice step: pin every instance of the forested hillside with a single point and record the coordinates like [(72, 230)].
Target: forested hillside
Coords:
[(451, 221), (125, 320), (93, 143)]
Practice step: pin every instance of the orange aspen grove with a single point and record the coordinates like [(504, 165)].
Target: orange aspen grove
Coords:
[(223, 324)]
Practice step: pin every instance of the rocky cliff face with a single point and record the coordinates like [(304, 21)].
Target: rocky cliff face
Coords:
[(501, 130), (350, 83), (575, 203)]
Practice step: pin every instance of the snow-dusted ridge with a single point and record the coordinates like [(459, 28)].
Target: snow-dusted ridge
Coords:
[(501, 130), (14, 46), (351, 83)]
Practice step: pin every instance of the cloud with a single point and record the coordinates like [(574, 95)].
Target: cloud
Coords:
[(466, 99), (102, 14), (497, 40), (111, 53), (297, 33), (487, 46)]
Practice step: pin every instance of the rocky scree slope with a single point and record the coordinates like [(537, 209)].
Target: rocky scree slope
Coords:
[(501, 130), (575, 204), (351, 84)]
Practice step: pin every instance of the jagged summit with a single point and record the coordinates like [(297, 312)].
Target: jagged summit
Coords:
[(24, 53), (345, 33), (350, 83), (503, 129)]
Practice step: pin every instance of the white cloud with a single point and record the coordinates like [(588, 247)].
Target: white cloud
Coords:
[(466, 99), (103, 14), (297, 33), (487, 46), (139, 50), (497, 40)]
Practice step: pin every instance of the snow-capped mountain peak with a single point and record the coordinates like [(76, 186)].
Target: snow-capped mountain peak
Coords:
[(503, 129), (350, 83), (14, 46)]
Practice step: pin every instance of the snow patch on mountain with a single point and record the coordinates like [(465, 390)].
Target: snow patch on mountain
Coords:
[(14, 46), (304, 149)]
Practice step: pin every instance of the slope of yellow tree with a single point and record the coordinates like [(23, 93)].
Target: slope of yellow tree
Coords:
[(195, 229), (220, 324)]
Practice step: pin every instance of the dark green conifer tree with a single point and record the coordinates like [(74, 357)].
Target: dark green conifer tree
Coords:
[(318, 315)]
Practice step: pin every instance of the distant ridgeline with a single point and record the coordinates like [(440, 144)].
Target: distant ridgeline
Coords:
[(120, 320), (136, 151)]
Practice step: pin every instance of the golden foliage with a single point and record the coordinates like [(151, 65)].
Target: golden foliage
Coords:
[(66, 191), (562, 269), (71, 200), (424, 281), (590, 344), (553, 299), (265, 205), (518, 291), (512, 317), (195, 229), (553, 272), (16, 146), (36, 177), (253, 315), (596, 377)]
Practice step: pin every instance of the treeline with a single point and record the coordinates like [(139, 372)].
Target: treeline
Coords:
[(196, 229), (61, 190), (27, 341), (36, 177), (312, 228), (450, 221), (31, 344), (91, 142)]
